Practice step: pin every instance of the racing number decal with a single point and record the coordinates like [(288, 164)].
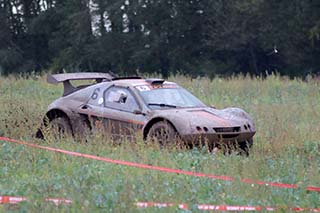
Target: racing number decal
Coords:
[(95, 94), (143, 88)]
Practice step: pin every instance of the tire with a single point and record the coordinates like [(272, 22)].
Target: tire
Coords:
[(163, 133), (60, 128), (245, 146)]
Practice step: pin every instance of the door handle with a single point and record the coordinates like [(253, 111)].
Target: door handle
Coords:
[(85, 107)]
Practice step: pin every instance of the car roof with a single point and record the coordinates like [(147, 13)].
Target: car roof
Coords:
[(140, 82)]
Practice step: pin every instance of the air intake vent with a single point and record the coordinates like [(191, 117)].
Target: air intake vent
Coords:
[(227, 129), (154, 81), (227, 136)]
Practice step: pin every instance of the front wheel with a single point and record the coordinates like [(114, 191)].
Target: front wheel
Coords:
[(163, 133), (245, 146)]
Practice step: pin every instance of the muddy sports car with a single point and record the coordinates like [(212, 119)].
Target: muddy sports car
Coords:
[(155, 109)]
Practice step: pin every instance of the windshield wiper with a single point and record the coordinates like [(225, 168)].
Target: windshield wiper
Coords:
[(162, 105)]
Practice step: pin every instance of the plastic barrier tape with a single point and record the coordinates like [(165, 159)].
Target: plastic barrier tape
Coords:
[(203, 207), (222, 207), (15, 200), (158, 168)]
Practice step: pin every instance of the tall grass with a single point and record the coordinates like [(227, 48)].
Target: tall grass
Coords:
[(286, 149)]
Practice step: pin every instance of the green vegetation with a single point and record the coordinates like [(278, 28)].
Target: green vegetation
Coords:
[(286, 149), (198, 37)]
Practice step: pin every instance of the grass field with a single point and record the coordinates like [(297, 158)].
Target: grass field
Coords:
[(286, 149)]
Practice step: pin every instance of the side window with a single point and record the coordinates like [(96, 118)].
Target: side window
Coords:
[(120, 98)]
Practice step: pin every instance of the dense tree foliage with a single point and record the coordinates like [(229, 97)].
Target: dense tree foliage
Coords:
[(195, 37)]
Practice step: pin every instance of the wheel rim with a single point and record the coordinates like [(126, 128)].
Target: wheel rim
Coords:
[(161, 135), (58, 130)]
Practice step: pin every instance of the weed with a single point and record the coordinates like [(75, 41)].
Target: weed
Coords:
[(286, 149)]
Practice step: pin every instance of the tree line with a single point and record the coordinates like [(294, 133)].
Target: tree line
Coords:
[(194, 37)]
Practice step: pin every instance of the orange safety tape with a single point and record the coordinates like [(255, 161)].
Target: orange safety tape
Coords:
[(158, 168)]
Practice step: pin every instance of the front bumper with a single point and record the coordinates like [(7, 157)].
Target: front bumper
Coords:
[(213, 138)]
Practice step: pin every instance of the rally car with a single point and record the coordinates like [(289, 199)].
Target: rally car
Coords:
[(153, 109)]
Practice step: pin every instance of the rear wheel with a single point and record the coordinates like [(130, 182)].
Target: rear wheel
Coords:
[(60, 127), (163, 133)]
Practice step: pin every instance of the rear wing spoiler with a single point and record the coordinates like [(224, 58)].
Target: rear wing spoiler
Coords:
[(65, 78), (59, 78)]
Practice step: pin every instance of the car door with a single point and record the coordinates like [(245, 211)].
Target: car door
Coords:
[(113, 111)]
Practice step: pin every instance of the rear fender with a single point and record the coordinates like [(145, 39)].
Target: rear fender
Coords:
[(50, 115)]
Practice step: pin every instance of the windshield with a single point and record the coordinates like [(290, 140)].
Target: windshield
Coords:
[(170, 98)]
